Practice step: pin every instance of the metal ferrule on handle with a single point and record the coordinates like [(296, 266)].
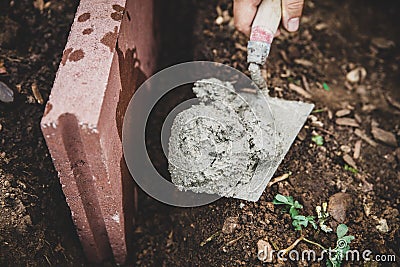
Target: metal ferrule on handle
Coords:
[(264, 27)]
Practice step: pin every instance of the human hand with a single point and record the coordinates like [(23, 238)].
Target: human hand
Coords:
[(244, 12)]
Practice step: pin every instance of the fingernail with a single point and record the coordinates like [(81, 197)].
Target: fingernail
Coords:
[(293, 24)]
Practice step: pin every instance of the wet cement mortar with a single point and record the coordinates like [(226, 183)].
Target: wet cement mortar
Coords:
[(335, 36), (216, 145)]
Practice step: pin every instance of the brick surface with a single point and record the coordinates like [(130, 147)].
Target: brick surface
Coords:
[(110, 52)]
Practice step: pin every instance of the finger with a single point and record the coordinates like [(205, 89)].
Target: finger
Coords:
[(244, 12), (291, 13)]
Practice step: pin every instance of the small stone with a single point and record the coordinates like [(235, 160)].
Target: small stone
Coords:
[(382, 226), (6, 94), (264, 252), (219, 20), (364, 137), (384, 136), (303, 62), (321, 26), (338, 205), (6, 183), (349, 160), (356, 75), (299, 90), (342, 112), (230, 224), (382, 43), (347, 122), (345, 149), (357, 149)]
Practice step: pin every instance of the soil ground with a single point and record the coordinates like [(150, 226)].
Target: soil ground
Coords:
[(335, 37)]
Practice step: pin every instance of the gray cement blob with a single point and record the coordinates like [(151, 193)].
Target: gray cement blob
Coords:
[(216, 145), (228, 144)]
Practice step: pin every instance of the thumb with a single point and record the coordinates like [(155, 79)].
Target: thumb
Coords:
[(291, 13)]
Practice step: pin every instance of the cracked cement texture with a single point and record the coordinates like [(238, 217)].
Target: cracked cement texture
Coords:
[(216, 146)]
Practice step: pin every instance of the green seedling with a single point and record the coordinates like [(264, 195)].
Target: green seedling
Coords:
[(326, 87), (323, 215), (350, 169), (342, 246), (319, 140), (294, 206), (301, 220), (343, 240)]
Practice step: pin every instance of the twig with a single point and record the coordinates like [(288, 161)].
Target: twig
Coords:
[(298, 240), (234, 241), (313, 243), (209, 239), (279, 179), (292, 246)]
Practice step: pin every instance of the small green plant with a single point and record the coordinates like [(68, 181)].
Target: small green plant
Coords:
[(350, 169), (319, 140), (326, 87), (301, 220), (294, 206), (342, 246), (336, 255)]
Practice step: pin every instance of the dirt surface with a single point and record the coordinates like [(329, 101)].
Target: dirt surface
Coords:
[(335, 38), (35, 224)]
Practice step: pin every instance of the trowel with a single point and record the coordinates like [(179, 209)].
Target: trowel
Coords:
[(277, 123), (289, 116)]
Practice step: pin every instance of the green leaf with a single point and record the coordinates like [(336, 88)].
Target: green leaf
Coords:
[(293, 212), (297, 205), (314, 224), (276, 202), (282, 199), (319, 140), (350, 169), (326, 87), (341, 230)]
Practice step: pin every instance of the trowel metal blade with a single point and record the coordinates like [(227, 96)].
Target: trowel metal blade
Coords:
[(288, 117)]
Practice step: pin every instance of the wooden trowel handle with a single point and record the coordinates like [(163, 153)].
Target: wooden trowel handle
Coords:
[(267, 21)]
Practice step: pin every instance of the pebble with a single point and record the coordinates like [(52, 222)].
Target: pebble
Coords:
[(219, 20), (230, 224), (349, 160), (384, 136), (338, 205), (382, 226), (347, 122), (345, 149), (357, 149), (356, 75), (6, 94), (342, 112), (382, 43), (299, 90)]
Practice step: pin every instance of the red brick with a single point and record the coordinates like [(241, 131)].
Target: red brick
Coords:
[(110, 51)]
